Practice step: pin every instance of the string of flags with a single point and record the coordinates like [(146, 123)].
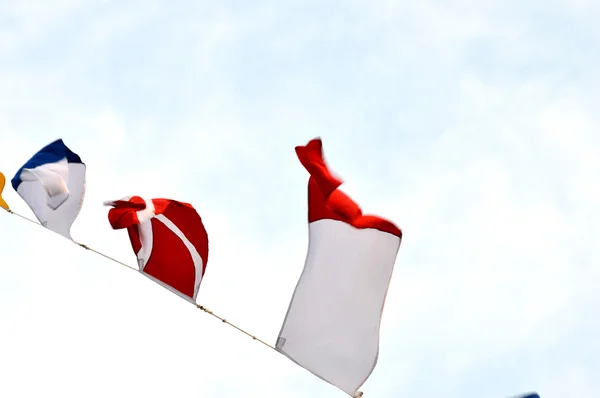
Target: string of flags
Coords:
[(346, 275)]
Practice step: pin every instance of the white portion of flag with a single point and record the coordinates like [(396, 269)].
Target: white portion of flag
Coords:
[(332, 324), (53, 177), (56, 202)]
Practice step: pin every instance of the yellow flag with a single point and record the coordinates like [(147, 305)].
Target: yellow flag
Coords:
[(2, 183)]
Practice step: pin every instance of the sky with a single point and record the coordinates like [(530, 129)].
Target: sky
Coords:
[(473, 125)]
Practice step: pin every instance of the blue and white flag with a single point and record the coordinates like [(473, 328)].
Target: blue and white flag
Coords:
[(52, 183)]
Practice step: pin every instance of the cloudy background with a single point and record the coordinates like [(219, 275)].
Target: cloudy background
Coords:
[(472, 124)]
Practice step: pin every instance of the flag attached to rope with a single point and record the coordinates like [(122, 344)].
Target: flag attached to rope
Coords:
[(52, 183), (3, 204), (169, 239), (333, 320)]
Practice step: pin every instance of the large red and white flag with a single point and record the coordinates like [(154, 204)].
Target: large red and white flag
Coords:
[(169, 239), (333, 320)]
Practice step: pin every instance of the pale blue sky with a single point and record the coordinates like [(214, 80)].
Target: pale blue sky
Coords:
[(471, 124)]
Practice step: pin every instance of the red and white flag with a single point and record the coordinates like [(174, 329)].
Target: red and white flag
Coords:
[(168, 238), (333, 320)]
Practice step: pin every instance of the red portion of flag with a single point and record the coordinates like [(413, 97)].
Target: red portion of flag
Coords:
[(311, 157), (123, 215), (326, 201), (168, 238), (170, 261)]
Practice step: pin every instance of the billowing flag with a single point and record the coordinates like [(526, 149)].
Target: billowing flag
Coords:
[(52, 183), (2, 184), (528, 395), (168, 238), (333, 320)]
